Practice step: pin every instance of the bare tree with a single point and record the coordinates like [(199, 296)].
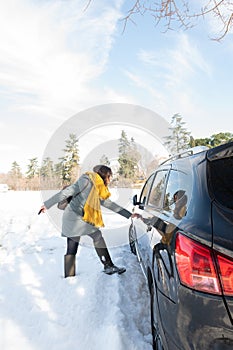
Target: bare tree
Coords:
[(183, 13)]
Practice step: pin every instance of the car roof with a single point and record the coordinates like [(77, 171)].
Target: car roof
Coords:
[(185, 154), (223, 151)]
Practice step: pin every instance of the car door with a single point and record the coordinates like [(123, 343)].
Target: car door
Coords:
[(151, 200), (174, 208)]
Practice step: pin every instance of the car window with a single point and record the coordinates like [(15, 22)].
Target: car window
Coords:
[(157, 189), (146, 189), (177, 193), (221, 179)]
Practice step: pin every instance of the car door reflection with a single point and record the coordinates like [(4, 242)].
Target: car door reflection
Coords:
[(167, 225)]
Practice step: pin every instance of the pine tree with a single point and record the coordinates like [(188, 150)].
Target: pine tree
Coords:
[(135, 158), (48, 177), (33, 168), (179, 139), (46, 170), (124, 169), (70, 161), (32, 175), (16, 170), (128, 157), (15, 176)]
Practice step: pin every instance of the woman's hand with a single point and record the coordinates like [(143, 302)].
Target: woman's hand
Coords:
[(42, 209), (135, 215)]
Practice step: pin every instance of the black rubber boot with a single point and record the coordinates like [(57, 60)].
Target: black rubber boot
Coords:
[(109, 267), (102, 251), (69, 265), (110, 270)]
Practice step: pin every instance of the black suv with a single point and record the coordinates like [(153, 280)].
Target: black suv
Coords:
[(184, 243)]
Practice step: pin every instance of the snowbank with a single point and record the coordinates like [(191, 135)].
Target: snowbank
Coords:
[(39, 309)]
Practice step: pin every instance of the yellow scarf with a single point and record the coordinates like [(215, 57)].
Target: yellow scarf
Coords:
[(92, 211)]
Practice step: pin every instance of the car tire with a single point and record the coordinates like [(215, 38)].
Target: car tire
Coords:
[(132, 239), (156, 338)]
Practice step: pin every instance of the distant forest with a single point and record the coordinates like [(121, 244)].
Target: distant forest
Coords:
[(134, 163)]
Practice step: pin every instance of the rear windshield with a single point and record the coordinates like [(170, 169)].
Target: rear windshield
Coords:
[(221, 180)]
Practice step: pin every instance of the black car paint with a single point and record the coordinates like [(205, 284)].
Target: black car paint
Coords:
[(180, 328)]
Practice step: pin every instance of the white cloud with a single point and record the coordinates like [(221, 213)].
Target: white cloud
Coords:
[(176, 64), (52, 50), (168, 75), (51, 54), (145, 84)]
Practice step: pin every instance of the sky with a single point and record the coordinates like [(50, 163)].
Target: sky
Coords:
[(40, 309), (59, 58)]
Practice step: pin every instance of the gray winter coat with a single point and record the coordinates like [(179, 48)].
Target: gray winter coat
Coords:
[(72, 222)]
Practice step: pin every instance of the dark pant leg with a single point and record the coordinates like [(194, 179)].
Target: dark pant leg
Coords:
[(101, 248), (69, 258), (72, 245)]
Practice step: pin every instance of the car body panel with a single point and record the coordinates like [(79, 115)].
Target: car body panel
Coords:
[(188, 319), (222, 225), (181, 325)]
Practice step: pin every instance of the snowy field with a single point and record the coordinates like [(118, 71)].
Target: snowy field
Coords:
[(39, 309)]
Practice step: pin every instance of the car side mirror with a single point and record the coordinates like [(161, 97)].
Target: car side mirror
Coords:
[(142, 204), (135, 202)]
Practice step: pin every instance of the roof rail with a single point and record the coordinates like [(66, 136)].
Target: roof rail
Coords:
[(186, 153)]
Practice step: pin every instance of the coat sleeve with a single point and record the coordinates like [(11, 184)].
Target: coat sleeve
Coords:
[(116, 208), (71, 190)]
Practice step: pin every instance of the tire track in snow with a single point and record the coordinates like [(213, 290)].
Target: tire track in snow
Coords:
[(134, 305)]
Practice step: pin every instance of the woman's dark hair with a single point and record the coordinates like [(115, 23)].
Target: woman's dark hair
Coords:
[(104, 172)]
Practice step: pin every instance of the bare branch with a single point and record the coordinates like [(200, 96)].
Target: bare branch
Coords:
[(176, 12), (87, 5), (226, 28)]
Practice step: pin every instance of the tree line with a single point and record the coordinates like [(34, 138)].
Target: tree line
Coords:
[(49, 175), (133, 165), (181, 139), (52, 175)]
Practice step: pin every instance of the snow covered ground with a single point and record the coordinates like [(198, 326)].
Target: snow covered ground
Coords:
[(39, 309)]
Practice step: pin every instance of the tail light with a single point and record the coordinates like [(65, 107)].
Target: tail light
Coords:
[(197, 268), (226, 274)]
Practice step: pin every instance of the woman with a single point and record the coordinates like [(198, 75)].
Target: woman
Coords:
[(82, 216)]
